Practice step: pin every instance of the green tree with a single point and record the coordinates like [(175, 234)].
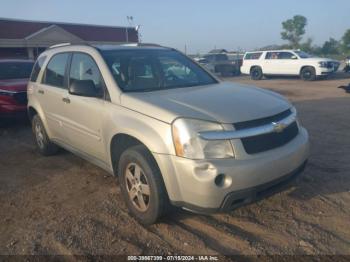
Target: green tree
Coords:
[(307, 46), (294, 29), (346, 41), (331, 47)]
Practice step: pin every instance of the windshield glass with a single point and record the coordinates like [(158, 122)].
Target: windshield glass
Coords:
[(302, 54), (150, 70), (15, 70)]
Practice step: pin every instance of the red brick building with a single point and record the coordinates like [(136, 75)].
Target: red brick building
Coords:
[(27, 39)]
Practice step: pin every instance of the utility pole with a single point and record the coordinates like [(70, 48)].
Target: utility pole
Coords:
[(137, 28), (130, 20), (126, 35)]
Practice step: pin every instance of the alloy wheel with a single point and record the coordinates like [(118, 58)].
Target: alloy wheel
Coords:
[(39, 135), (137, 187)]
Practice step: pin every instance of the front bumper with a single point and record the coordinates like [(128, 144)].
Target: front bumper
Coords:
[(191, 183), (321, 71)]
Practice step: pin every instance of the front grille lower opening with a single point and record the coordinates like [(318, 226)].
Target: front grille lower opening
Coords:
[(265, 142)]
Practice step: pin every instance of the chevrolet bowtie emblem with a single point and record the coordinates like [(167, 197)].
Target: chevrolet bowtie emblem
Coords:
[(278, 127)]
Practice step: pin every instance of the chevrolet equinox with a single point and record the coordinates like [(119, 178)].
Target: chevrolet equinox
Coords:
[(172, 133)]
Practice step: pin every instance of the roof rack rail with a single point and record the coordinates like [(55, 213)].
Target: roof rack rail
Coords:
[(141, 44), (59, 45)]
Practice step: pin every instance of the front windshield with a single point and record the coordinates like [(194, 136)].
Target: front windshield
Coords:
[(302, 54), (150, 70), (15, 70)]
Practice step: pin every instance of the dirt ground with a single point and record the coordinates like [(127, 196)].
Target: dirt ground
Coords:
[(65, 205)]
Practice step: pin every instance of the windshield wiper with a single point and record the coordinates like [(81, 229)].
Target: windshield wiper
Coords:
[(165, 88)]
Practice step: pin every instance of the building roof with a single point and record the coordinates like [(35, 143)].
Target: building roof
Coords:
[(15, 60), (20, 29), (217, 51)]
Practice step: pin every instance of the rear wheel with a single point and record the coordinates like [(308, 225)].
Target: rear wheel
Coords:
[(256, 73), (142, 185), (308, 74), (42, 141)]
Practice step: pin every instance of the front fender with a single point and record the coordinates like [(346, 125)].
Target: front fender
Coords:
[(154, 134)]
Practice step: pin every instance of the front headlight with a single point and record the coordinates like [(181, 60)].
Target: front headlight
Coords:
[(188, 143), (322, 64)]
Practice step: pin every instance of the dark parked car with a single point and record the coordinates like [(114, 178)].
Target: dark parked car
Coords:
[(221, 64), (14, 76)]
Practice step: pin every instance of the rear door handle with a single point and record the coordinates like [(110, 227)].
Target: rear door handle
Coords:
[(41, 91), (66, 100)]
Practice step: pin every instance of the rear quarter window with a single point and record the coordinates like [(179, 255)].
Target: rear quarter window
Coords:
[(252, 56), (37, 68)]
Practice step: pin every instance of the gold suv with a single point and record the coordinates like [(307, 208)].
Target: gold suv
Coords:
[(170, 131)]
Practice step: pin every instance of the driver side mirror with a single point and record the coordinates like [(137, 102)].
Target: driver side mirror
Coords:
[(294, 57), (83, 88)]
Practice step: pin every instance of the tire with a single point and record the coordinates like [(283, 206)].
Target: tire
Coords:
[(225, 73), (308, 73), (238, 72), (42, 141), (256, 73), (142, 185)]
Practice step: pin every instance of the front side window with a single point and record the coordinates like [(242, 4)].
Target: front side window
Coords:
[(36, 69), (302, 54), (55, 70), (15, 70), (286, 55), (83, 67), (149, 70)]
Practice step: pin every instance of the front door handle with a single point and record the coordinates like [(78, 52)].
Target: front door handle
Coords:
[(66, 100), (41, 91)]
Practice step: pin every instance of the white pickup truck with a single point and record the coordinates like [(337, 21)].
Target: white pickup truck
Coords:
[(287, 62)]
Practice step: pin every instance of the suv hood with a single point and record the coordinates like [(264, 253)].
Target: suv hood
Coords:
[(225, 102), (319, 59)]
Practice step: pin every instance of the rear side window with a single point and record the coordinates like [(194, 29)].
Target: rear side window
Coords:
[(36, 69), (279, 55), (55, 70), (253, 56)]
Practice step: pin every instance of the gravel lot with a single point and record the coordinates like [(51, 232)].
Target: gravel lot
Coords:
[(65, 205)]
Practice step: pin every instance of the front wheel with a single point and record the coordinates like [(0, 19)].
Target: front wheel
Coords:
[(308, 74), (256, 73), (142, 185)]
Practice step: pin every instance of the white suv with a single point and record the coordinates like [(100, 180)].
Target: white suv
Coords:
[(287, 62)]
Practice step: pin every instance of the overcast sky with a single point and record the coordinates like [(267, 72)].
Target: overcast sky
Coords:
[(201, 25)]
